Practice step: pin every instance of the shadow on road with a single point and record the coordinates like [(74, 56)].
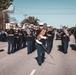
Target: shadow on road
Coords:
[(73, 47), (60, 48), (45, 61), (1, 50), (36, 59)]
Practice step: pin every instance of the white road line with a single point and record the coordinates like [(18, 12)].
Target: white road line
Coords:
[(32, 73)]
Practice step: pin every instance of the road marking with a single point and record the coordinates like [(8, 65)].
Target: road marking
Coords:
[(32, 73)]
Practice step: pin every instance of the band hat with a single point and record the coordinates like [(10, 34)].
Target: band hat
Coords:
[(41, 23), (50, 28)]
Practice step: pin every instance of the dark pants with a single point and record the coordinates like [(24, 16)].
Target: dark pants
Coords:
[(62, 44), (65, 46), (24, 43), (75, 42), (21, 43), (33, 46), (75, 39), (17, 45), (10, 46), (49, 46), (29, 46), (40, 53)]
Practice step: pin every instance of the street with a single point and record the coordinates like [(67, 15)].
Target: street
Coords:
[(20, 63)]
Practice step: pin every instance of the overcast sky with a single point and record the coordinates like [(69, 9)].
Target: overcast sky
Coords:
[(52, 12)]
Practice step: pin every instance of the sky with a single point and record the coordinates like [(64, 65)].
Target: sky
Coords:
[(52, 12)]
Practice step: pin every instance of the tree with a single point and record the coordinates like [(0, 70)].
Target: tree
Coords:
[(4, 18), (31, 20), (1, 19), (4, 4)]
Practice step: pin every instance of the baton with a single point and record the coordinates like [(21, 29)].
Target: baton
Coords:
[(46, 50)]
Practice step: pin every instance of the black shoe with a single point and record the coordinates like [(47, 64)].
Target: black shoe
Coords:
[(39, 64), (43, 59), (8, 52), (28, 53), (12, 51), (65, 52)]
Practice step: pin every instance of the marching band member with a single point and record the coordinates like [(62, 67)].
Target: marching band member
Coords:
[(21, 38), (29, 40), (39, 41), (17, 40), (75, 35), (10, 37), (66, 39), (24, 38), (50, 38)]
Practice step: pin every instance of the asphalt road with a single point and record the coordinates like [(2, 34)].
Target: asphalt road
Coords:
[(20, 63)]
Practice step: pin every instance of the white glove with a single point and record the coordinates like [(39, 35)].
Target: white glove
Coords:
[(43, 37), (38, 41)]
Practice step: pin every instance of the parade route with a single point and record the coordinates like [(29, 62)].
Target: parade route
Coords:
[(20, 63)]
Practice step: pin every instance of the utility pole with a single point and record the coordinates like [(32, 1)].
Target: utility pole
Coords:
[(25, 15)]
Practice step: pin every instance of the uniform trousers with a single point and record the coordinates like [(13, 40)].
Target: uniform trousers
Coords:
[(40, 53)]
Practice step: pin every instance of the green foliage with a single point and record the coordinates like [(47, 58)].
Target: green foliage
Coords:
[(31, 20), (4, 4)]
